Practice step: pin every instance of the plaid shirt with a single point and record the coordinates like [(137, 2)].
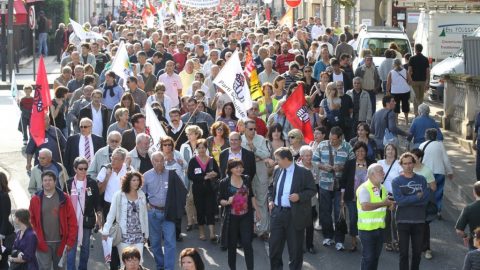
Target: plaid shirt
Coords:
[(340, 156)]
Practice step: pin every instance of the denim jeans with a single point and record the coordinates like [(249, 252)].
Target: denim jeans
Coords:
[(352, 218), (328, 201), (413, 231), (373, 100), (162, 229), (372, 243), (84, 252), (42, 44), (440, 180)]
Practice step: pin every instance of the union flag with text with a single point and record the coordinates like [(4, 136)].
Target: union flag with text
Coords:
[(41, 102), (296, 112)]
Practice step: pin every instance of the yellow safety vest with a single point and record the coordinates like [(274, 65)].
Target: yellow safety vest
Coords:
[(375, 219)]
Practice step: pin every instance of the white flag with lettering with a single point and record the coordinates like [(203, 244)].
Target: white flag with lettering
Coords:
[(153, 128), (82, 34), (232, 80)]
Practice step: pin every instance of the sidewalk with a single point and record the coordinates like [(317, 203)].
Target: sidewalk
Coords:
[(25, 76)]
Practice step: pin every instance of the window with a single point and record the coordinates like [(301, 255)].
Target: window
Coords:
[(378, 46)]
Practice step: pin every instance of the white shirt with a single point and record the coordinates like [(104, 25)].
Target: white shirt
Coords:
[(337, 78), (80, 187), (175, 130), (394, 173), (167, 103), (81, 147), (436, 158), (114, 183), (287, 186), (97, 126), (318, 30)]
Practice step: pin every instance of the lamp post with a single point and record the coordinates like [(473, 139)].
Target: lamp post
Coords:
[(10, 38), (3, 40)]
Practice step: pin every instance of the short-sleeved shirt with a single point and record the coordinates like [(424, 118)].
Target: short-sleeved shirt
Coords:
[(340, 155), (419, 64), (114, 183), (425, 172)]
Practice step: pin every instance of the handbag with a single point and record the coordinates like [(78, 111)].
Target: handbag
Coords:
[(388, 136), (15, 265), (116, 231), (341, 223)]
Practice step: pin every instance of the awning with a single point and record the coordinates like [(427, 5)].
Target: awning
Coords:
[(19, 12), (33, 1)]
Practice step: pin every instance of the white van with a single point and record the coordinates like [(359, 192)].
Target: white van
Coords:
[(452, 64), (378, 39)]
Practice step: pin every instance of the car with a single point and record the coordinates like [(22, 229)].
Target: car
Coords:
[(378, 39)]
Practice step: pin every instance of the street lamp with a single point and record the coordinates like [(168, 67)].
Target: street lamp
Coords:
[(3, 40)]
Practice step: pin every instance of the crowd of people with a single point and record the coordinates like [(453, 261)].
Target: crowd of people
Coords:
[(96, 170)]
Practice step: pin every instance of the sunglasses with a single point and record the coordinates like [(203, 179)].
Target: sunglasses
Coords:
[(82, 168), (252, 129), (168, 144), (85, 126), (219, 129), (291, 137)]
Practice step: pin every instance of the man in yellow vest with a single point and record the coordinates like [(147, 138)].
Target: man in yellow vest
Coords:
[(372, 203)]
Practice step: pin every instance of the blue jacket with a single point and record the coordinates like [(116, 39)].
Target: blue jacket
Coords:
[(419, 125)]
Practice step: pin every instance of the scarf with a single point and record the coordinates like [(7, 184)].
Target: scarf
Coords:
[(78, 200), (109, 88)]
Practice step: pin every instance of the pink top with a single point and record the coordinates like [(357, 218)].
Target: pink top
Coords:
[(172, 84)]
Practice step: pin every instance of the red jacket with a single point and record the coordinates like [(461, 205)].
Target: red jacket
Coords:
[(68, 221), (283, 61)]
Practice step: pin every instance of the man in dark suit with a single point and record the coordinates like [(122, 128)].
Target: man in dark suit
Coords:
[(129, 136), (176, 129), (237, 151), (84, 144), (98, 113), (289, 199)]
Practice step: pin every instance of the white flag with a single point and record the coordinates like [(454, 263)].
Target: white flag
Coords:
[(178, 18), (121, 63), (150, 21), (14, 88), (232, 80), (154, 128), (82, 34), (161, 24), (257, 21)]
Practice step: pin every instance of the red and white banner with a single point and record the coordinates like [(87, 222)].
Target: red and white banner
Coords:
[(41, 102), (296, 112)]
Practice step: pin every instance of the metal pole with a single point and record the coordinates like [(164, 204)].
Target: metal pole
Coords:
[(33, 54), (3, 40), (10, 38)]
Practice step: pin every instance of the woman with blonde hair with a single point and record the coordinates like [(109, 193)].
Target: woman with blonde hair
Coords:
[(295, 141), (126, 102), (330, 106), (122, 123)]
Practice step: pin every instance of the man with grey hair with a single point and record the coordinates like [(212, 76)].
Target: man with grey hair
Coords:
[(147, 47), (45, 163), (362, 107), (77, 105), (139, 156), (421, 123), (268, 74), (372, 203), (103, 155)]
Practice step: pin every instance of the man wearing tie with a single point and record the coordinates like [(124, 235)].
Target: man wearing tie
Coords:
[(289, 202), (84, 144)]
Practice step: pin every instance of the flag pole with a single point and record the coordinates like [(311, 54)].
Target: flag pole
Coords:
[(59, 151), (188, 121)]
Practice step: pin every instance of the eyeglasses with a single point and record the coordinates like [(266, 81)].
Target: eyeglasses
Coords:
[(219, 129), (85, 126), (291, 137), (167, 144), (114, 141), (82, 168)]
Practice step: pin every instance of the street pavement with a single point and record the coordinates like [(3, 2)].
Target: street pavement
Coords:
[(448, 251)]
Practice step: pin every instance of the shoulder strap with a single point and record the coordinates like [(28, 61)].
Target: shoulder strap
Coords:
[(401, 75), (386, 175), (386, 119), (424, 147)]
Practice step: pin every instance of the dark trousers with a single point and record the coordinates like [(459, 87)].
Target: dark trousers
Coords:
[(372, 243), (115, 260), (309, 230), (373, 99), (426, 237), (206, 207), (178, 227), (391, 234), (281, 230), (240, 227), (328, 201), (413, 232), (477, 166)]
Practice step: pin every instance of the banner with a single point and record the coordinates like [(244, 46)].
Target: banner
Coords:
[(257, 21), (296, 112), (232, 80), (41, 102), (251, 72), (14, 88), (153, 128), (201, 3), (287, 19), (121, 63), (82, 34)]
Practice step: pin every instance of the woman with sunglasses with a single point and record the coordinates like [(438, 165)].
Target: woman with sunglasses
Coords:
[(86, 201), (295, 140), (308, 81), (129, 209), (219, 140)]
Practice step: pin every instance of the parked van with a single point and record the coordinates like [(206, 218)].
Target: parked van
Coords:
[(453, 64), (378, 39)]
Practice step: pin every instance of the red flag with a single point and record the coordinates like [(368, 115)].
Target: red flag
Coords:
[(236, 10), (267, 14), (296, 112), (150, 7), (41, 102)]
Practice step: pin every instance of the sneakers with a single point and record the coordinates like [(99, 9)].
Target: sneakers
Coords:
[(328, 242), (318, 227), (339, 247), (428, 254)]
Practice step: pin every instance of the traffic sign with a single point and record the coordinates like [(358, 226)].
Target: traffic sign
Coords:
[(293, 3), (31, 18)]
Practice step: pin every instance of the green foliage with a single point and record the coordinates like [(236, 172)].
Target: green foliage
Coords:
[(346, 3), (57, 11)]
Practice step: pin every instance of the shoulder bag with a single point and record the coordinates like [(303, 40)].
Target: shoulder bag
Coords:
[(116, 231), (412, 93), (388, 136)]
